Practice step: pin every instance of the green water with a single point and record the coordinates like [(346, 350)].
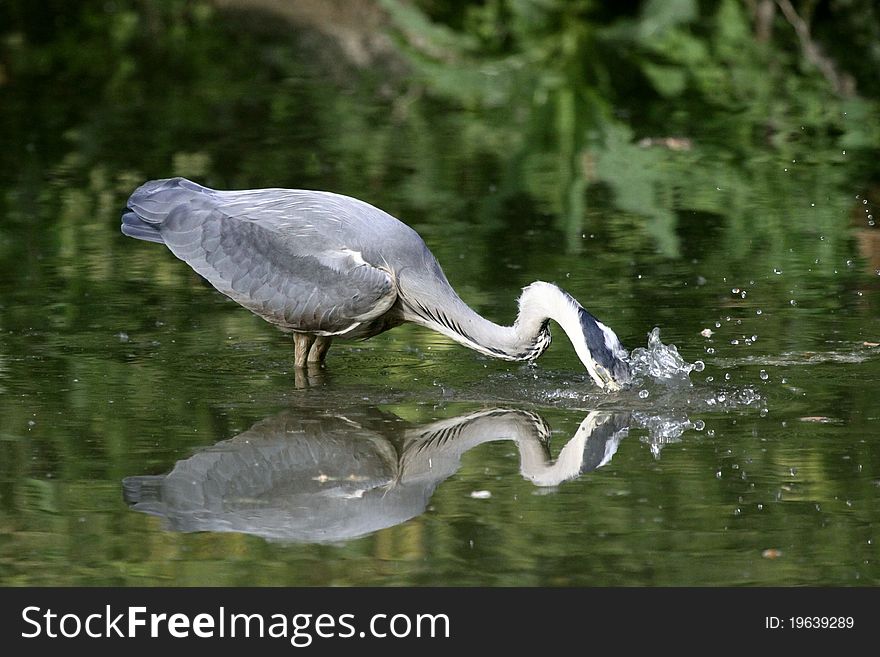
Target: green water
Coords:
[(411, 460)]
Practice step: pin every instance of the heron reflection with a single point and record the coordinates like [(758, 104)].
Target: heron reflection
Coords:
[(320, 477)]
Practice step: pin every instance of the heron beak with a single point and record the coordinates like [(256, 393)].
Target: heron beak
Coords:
[(604, 356), (611, 385), (610, 382)]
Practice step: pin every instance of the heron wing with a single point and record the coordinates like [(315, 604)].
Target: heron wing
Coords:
[(282, 255)]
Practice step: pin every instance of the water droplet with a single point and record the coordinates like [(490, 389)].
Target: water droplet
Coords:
[(742, 294), (718, 474), (718, 324), (710, 432), (793, 302), (759, 312), (735, 290), (792, 471), (721, 398), (710, 379), (764, 376), (699, 366), (727, 376), (481, 494), (643, 394), (734, 341), (710, 350), (699, 425)]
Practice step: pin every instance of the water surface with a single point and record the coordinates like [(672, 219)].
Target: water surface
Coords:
[(154, 433)]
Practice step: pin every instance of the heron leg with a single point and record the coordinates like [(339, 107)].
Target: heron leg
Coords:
[(318, 352), (300, 378), (311, 377), (302, 342)]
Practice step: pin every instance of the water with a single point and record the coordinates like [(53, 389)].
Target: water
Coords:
[(661, 362), (155, 433)]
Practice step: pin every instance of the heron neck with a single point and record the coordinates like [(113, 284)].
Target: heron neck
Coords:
[(526, 339)]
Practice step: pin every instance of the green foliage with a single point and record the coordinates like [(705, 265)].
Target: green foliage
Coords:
[(562, 82)]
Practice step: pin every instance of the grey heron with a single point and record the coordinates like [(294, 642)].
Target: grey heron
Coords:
[(321, 266)]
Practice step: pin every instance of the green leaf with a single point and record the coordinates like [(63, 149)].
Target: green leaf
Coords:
[(660, 16), (667, 80)]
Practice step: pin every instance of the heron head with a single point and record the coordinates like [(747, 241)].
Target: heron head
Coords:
[(605, 358), (596, 345)]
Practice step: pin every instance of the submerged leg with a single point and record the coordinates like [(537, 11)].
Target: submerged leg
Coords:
[(318, 352), (311, 377), (302, 342)]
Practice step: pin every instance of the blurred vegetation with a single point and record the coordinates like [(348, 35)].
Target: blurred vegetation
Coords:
[(655, 109), (655, 154), (586, 94)]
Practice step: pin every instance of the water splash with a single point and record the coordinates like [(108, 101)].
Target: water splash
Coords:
[(664, 429), (661, 362), (735, 398)]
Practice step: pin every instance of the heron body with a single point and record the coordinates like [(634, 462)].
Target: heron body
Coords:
[(324, 266)]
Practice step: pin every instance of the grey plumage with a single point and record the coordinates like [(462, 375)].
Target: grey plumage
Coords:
[(323, 265), (287, 255)]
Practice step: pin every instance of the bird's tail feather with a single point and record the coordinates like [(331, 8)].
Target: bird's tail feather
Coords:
[(134, 226), (144, 493), (151, 203)]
